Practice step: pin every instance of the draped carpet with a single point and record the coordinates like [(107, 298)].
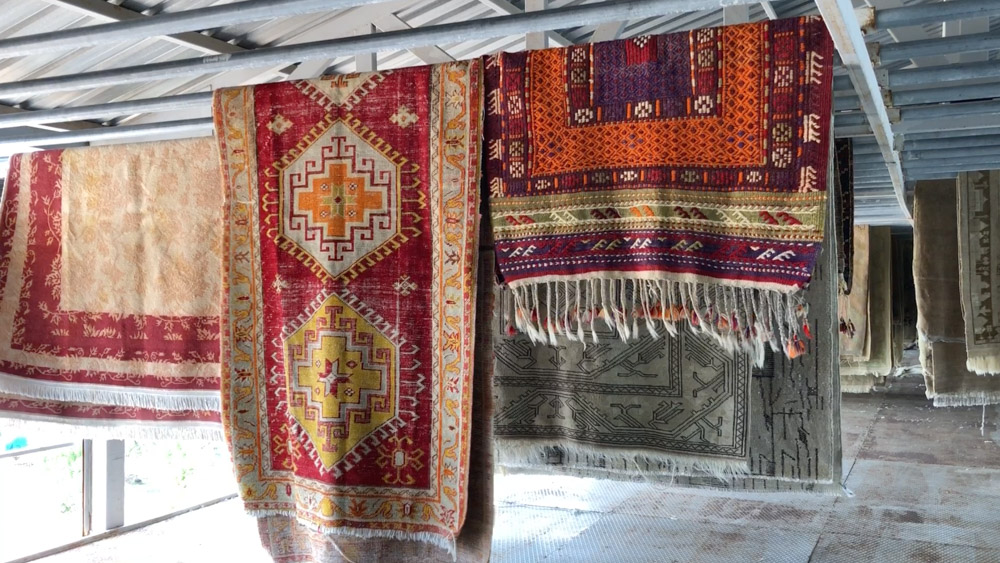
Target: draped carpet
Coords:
[(674, 405), (663, 179), (940, 326), (861, 375), (853, 308), (979, 267), (290, 542), (793, 436), (844, 194), (351, 233), (109, 272)]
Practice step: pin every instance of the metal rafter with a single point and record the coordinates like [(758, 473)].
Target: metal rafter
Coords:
[(845, 28), (168, 24), (509, 9), (575, 16)]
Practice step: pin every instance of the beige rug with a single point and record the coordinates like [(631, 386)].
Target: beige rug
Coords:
[(863, 375), (940, 325), (979, 267), (852, 308)]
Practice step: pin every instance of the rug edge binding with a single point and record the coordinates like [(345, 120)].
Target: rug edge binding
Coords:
[(513, 453), (107, 395), (446, 543)]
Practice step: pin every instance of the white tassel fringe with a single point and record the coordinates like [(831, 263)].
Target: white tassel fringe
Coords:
[(445, 543), (983, 365), (739, 318), (110, 395)]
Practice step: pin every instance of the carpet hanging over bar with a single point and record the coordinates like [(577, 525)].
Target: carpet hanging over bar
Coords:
[(844, 161), (110, 261), (853, 308), (663, 179), (861, 374), (979, 267), (351, 232), (940, 325)]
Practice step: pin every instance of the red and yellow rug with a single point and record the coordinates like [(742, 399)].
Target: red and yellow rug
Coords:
[(662, 179), (351, 230)]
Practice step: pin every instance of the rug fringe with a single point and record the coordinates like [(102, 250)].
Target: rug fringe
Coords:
[(445, 543), (73, 428), (857, 388), (824, 487), (974, 399), (108, 395), (738, 317), (983, 365), (524, 454)]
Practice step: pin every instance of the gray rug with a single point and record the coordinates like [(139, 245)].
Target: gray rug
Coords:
[(793, 437), (661, 405), (861, 376), (940, 325), (979, 266)]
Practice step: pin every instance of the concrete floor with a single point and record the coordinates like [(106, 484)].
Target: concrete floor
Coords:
[(926, 488)]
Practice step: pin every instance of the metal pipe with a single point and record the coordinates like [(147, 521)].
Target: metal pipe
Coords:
[(114, 109), (890, 52), (187, 127), (168, 24), (479, 29), (935, 12), (947, 73), (946, 94)]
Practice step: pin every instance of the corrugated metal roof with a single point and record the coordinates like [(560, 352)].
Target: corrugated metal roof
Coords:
[(28, 17)]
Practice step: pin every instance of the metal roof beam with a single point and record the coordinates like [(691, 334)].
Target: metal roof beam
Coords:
[(109, 12), (168, 24), (429, 55), (917, 77), (505, 7), (114, 109), (574, 16), (890, 52), (536, 39), (608, 31), (935, 12), (843, 24), (187, 127), (768, 9)]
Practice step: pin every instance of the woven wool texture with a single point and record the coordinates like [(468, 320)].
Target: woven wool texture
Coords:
[(351, 232), (793, 437), (979, 267), (853, 308), (290, 542), (879, 363), (674, 405), (940, 325), (663, 179), (109, 272)]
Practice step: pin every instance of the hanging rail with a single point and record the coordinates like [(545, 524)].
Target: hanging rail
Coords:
[(169, 24)]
